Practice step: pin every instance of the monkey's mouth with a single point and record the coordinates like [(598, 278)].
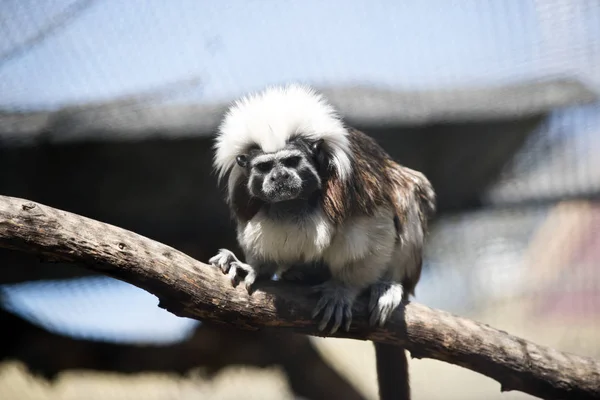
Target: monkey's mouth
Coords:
[(283, 194), (281, 191)]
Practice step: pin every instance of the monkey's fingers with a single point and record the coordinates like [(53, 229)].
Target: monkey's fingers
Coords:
[(374, 319), (386, 297), (386, 314), (319, 307), (216, 262), (242, 266), (233, 276), (327, 313), (372, 304), (347, 317), (343, 313), (376, 293), (323, 305), (249, 281), (381, 315), (223, 260), (382, 312), (338, 318)]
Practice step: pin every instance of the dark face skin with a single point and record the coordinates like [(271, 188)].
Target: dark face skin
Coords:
[(288, 180)]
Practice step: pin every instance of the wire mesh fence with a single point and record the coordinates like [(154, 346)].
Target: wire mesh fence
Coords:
[(525, 260)]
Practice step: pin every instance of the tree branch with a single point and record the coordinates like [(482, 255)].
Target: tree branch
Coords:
[(189, 288)]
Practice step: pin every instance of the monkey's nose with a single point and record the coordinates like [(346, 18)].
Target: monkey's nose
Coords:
[(280, 175)]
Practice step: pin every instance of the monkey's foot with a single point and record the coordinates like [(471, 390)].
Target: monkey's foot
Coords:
[(230, 265), (385, 298), (336, 303)]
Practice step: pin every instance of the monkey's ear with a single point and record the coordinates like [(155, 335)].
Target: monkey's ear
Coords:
[(317, 146), (319, 156), (242, 160)]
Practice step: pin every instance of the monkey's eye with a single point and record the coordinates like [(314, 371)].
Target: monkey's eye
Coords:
[(242, 160), (316, 146), (265, 166), (291, 162)]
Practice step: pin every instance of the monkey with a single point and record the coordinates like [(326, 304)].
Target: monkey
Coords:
[(309, 193)]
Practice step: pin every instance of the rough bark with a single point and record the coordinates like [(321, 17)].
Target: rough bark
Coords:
[(187, 287)]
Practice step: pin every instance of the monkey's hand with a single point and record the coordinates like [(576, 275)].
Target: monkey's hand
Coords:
[(229, 264), (335, 302), (385, 298)]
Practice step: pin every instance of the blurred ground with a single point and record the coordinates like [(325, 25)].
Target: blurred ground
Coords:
[(234, 383)]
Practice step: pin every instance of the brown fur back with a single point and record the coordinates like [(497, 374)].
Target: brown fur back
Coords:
[(369, 186), (378, 181)]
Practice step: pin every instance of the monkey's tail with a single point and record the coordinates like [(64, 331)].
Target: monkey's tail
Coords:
[(392, 372)]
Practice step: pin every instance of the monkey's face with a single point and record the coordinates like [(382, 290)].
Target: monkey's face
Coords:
[(288, 174)]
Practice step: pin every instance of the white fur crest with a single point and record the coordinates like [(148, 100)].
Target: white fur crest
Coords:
[(271, 117)]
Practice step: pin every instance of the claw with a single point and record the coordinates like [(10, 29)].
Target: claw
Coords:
[(376, 292), (374, 317), (348, 317), (372, 304), (249, 281), (319, 307), (223, 260), (339, 315), (336, 301), (228, 263), (232, 275), (326, 316)]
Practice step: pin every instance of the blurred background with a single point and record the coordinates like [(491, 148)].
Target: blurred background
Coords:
[(107, 109)]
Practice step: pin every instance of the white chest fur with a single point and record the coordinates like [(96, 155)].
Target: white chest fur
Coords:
[(286, 241)]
